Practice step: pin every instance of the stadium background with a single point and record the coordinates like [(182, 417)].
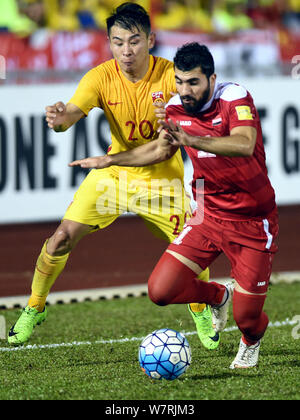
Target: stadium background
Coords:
[(45, 48)]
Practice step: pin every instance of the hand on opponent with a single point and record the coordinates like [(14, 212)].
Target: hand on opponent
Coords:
[(160, 111), (175, 135)]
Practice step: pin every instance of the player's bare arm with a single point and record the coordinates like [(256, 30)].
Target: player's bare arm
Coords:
[(150, 153), (60, 117), (240, 143)]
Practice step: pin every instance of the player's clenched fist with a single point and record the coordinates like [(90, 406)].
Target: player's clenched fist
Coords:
[(55, 114), (60, 116)]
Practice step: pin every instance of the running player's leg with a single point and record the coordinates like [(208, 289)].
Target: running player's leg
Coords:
[(49, 265), (53, 258), (174, 280), (248, 302), (87, 213), (251, 260)]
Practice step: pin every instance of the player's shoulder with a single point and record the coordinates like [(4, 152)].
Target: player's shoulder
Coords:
[(231, 92), (163, 65), (163, 61), (174, 102), (106, 68), (109, 65)]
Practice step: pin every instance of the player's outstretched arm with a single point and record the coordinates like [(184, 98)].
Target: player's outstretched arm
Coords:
[(60, 117), (240, 143), (155, 151)]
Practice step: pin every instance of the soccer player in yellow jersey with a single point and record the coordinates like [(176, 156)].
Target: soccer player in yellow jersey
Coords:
[(126, 88)]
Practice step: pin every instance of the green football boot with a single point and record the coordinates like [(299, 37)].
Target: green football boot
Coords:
[(207, 335), (22, 330)]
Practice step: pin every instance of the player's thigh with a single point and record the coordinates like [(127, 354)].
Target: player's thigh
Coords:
[(168, 212), (251, 268), (250, 247), (195, 246), (96, 201), (165, 226)]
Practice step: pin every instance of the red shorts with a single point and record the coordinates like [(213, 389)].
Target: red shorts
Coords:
[(249, 245)]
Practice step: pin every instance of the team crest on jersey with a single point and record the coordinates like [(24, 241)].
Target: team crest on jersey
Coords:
[(157, 97)]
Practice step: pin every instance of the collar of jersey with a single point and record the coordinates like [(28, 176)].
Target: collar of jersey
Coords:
[(208, 104)]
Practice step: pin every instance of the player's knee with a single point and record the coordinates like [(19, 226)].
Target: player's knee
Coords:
[(156, 293), (158, 299), (60, 243)]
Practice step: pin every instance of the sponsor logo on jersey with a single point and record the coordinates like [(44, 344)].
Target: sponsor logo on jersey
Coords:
[(186, 123), (114, 103), (244, 112), (261, 283)]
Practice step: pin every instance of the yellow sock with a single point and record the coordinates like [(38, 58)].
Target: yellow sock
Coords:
[(47, 270), (199, 307)]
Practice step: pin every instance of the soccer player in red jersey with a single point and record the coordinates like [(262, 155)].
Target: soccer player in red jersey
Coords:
[(219, 127)]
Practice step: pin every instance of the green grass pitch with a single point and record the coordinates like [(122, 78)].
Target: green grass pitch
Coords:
[(89, 351)]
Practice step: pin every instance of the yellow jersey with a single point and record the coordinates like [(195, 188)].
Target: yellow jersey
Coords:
[(129, 109)]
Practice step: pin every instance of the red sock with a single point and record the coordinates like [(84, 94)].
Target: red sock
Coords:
[(249, 316), (173, 282)]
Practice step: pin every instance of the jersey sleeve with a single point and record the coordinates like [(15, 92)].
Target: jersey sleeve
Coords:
[(240, 107), (86, 96)]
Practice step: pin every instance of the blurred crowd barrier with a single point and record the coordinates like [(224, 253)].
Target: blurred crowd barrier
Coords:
[(41, 38)]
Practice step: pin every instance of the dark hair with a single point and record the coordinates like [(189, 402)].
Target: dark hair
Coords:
[(129, 16), (193, 55)]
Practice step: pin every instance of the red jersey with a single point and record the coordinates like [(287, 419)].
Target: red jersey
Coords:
[(235, 188)]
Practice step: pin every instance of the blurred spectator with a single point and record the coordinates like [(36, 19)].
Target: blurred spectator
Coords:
[(61, 15), (230, 16), (266, 14), (71, 15), (183, 15), (34, 10), (209, 16), (200, 15), (172, 16), (291, 15), (12, 20), (102, 9)]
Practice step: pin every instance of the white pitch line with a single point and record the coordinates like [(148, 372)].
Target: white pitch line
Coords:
[(122, 340)]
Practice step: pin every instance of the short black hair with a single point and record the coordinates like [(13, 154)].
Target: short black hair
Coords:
[(128, 16), (193, 55)]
